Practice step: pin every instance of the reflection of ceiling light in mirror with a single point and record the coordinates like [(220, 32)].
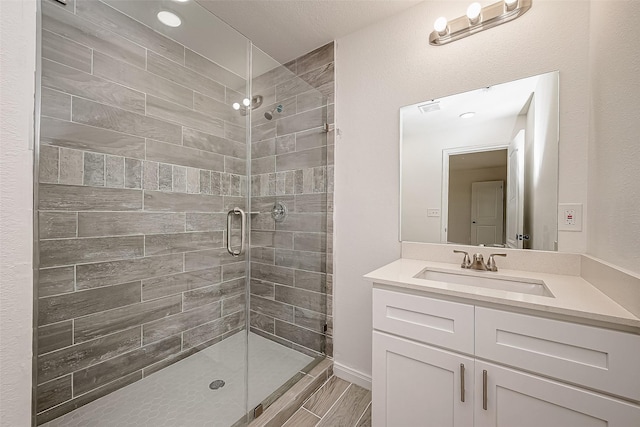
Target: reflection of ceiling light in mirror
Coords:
[(467, 115), (473, 12), (236, 106), (246, 102), (181, 1), (169, 19)]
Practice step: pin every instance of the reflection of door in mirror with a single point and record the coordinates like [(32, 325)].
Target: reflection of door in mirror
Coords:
[(487, 213), (474, 202), (515, 192)]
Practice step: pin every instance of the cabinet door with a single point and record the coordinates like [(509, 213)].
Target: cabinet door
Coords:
[(415, 385), (517, 399)]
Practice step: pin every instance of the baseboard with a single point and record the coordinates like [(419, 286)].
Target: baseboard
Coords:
[(351, 375)]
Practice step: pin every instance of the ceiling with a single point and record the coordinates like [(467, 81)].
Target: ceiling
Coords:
[(488, 104), (283, 29), (287, 29), (483, 159)]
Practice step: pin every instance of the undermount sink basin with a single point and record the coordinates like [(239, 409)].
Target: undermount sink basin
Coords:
[(484, 279)]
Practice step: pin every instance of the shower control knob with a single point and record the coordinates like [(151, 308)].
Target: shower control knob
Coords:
[(279, 212)]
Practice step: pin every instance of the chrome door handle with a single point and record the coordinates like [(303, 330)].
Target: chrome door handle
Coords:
[(243, 220), (484, 390), (462, 382)]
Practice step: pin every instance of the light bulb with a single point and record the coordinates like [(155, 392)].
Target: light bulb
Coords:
[(169, 19), (246, 102), (236, 106), (441, 25), (510, 4), (473, 12)]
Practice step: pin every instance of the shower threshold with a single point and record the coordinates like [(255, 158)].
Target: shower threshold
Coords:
[(179, 395)]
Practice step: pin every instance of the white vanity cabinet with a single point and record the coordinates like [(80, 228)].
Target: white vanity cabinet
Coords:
[(441, 363), (418, 385), (518, 399)]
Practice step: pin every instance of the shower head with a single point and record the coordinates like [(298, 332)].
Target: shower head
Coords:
[(269, 114)]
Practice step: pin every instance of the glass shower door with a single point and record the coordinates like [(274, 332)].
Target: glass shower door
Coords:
[(288, 297), (141, 311), (157, 304)]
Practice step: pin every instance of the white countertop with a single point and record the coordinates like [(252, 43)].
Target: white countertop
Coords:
[(573, 296)]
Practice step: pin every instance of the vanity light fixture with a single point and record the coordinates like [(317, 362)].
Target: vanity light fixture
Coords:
[(441, 26), (473, 13), (477, 19), (509, 5), (169, 19)]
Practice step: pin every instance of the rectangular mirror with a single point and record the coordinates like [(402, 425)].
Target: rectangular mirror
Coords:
[(481, 167)]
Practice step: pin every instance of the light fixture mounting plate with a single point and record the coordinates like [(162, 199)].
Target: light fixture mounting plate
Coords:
[(491, 16)]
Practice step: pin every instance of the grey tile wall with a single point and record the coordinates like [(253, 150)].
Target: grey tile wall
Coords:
[(135, 180), (292, 162)]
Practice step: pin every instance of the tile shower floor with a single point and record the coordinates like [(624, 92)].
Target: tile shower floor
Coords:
[(179, 395)]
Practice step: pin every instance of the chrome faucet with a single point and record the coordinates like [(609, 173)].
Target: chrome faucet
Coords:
[(478, 261), (466, 261), (491, 264)]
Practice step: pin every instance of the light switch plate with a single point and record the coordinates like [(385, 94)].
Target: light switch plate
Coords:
[(570, 217)]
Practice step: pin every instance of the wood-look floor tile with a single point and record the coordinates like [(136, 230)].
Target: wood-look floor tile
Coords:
[(323, 399), (302, 418), (347, 411), (365, 420)]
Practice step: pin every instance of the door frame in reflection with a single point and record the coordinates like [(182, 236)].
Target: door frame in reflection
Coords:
[(446, 153)]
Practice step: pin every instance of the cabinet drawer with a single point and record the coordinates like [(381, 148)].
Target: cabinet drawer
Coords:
[(593, 357), (440, 323)]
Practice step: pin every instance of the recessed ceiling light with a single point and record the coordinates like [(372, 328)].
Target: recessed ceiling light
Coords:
[(467, 115), (169, 19)]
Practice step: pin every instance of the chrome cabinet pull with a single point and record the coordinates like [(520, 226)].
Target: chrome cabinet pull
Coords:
[(462, 382), (484, 390), (243, 220)]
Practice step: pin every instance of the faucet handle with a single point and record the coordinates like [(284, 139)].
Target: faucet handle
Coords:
[(466, 261), (491, 263)]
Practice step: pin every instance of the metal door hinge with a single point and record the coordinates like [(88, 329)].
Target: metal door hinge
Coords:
[(325, 327), (257, 411)]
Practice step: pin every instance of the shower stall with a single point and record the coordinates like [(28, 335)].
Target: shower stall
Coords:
[(183, 217)]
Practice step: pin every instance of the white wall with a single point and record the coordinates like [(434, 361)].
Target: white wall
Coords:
[(17, 65), (389, 65), (614, 144)]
